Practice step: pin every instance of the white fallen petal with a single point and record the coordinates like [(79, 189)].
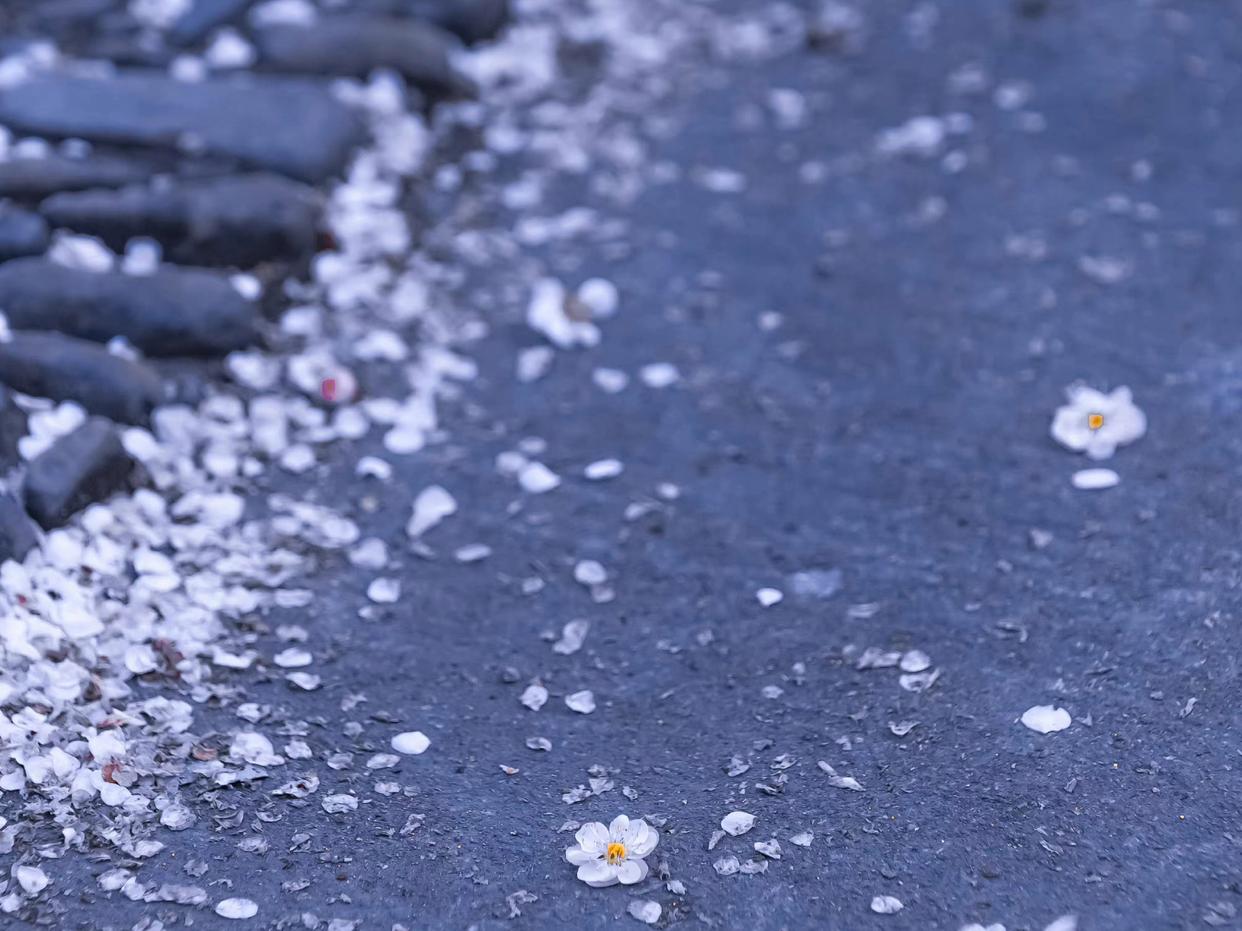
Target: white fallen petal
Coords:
[(1045, 719), (536, 478), (582, 702), (384, 591), (573, 635), (603, 469), (1094, 479), (32, 879), (236, 908), (535, 696), (737, 822), (432, 505), (886, 905), (769, 596), (645, 911), (411, 743)]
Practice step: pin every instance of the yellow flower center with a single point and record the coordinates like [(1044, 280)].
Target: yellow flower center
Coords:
[(1095, 421), (616, 853)]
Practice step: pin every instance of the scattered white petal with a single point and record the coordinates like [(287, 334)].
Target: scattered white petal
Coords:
[(645, 910), (236, 908), (659, 374), (603, 469), (432, 505), (600, 297), (535, 696), (769, 848), (838, 781), (573, 635), (1045, 719), (582, 702), (536, 478), (384, 591), (293, 658), (411, 743), (589, 572), (610, 381), (32, 879), (769, 596), (1095, 479), (886, 905), (737, 822)]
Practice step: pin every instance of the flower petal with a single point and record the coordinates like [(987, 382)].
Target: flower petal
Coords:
[(1101, 446), (633, 832), (616, 830), (644, 843), (592, 837), (598, 874), (577, 856), (632, 871), (1070, 429)]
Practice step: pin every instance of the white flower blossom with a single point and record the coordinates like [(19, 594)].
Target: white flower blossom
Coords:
[(614, 854), (1096, 423)]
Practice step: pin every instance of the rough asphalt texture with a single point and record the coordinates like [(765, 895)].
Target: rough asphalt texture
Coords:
[(895, 428)]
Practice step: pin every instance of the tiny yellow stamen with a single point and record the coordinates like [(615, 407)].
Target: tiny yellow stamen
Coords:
[(1095, 421), (616, 853)]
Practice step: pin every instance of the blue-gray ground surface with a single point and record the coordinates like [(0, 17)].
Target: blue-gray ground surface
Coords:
[(894, 427)]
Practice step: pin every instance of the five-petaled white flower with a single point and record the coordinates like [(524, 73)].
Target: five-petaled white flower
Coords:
[(1097, 423), (609, 855)]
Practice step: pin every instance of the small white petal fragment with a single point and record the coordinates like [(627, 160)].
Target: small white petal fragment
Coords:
[(769, 848), (886, 905), (769, 596), (432, 505), (659, 374), (573, 635), (582, 702), (411, 743), (602, 469), (737, 822), (838, 781), (536, 478), (1095, 479), (645, 910), (1045, 719), (384, 591), (236, 908), (589, 572), (802, 840), (1064, 923), (535, 696), (32, 879)]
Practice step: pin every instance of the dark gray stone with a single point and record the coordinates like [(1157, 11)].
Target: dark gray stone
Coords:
[(238, 221), (80, 468), (12, 429), (21, 233), (26, 178), (176, 311), (204, 16), (470, 20), (63, 368), (295, 127), (355, 45), (17, 531)]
